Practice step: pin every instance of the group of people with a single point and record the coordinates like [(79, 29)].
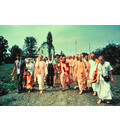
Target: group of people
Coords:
[(85, 72)]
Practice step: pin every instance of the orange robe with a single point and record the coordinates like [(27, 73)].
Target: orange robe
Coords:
[(75, 71), (81, 74), (70, 61), (71, 64), (64, 76), (87, 70)]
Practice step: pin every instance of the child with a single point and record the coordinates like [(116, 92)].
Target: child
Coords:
[(28, 81)]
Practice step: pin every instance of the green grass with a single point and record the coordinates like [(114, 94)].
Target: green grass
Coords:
[(6, 83)]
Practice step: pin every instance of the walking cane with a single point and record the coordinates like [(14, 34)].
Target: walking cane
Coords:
[(81, 52), (75, 47), (89, 52)]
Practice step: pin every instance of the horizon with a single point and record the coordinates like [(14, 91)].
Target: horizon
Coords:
[(64, 36)]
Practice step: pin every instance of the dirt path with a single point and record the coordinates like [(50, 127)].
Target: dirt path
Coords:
[(55, 97)]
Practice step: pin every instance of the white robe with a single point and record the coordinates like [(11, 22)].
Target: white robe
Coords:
[(104, 88), (92, 69), (41, 76)]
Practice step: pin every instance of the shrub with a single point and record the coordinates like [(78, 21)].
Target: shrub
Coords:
[(116, 69)]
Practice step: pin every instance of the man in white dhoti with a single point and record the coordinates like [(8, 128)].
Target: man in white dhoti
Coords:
[(104, 90), (41, 73), (92, 69)]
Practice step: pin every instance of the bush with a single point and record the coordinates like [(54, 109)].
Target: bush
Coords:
[(3, 89), (6, 83), (116, 69)]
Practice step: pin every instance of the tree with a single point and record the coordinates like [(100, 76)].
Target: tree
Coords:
[(3, 48), (111, 53), (14, 50), (49, 42), (29, 48), (62, 54), (97, 52)]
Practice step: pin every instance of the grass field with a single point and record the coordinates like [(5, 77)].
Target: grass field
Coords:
[(6, 83), (51, 97)]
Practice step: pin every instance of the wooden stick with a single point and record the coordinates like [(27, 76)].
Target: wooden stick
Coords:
[(81, 51), (89, 51), (40, 51), (75, 47)]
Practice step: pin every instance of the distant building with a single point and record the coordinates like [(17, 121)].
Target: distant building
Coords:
[(45, 52)]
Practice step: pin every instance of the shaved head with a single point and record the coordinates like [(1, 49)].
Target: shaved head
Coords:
[(101, 59), (40, 57), (64, 59)]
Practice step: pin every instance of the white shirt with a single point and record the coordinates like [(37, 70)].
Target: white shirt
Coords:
[(105, 68), (18, 63), (52, 62), (30, 68)]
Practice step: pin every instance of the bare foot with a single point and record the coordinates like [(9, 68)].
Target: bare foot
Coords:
[(80, 92), (41, 92), (99, 101), (60, 86), (108, 102), (88, 88), (94, 94), (29, 91), (63, 89)]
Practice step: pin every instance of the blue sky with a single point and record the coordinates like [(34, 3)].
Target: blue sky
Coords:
[(64, 36)]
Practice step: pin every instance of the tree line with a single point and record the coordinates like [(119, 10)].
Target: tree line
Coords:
[(111, 53), (29, 49)]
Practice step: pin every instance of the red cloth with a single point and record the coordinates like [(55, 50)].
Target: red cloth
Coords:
[(65, 69), (68, 67), (27, 80)]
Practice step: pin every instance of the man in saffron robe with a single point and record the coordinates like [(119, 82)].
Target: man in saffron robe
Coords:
[(75, 72), (81, 74), (68, 60), (64, 73), (87, 71)]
